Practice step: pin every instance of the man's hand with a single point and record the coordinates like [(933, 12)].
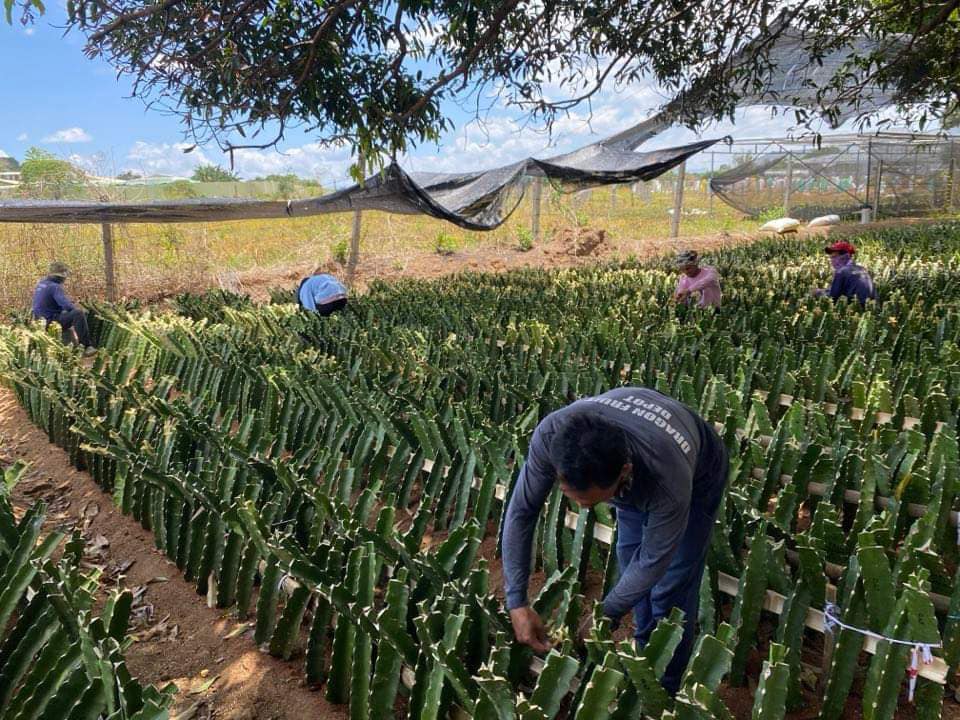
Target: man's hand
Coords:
[(529, 628), (681, 295)]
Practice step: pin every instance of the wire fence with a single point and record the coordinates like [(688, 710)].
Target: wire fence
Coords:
[(891, 175)]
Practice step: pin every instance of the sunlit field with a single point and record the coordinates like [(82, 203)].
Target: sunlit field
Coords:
[(162, 259)]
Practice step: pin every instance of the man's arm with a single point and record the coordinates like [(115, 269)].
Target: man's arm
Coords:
[(661, 537), (537, 477), (61, 297)]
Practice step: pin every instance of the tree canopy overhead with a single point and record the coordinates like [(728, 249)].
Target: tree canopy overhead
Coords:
[(375, 73)]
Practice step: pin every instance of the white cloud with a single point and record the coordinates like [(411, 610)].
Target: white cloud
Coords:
[(328, 164), (23, 137), (3, 154), (69, 135), (163, 158), (311, 160), (29, 31)]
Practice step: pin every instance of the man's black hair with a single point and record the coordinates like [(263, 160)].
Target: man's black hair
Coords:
[(588, 451), (332, 307)]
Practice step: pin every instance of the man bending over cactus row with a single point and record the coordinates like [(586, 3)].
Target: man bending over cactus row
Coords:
[(663, 468)]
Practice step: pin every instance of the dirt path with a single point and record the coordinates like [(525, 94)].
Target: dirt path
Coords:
[(180, 639)]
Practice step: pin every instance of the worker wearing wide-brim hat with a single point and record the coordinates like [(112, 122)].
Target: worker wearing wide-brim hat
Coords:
[(51, 304)]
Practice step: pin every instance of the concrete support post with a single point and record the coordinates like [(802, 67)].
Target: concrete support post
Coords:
[(713, 157), (536, 198), (354, 258), (108, 266), (788, 186), (951, 181), (678, 200), (876, 197)]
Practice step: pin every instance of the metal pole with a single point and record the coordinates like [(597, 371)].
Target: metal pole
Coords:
[(713, 157), (354, 258), (535, 199), (856, 173), (876, 200), (866, 187), (951, 179), (108, 269), (678, 200), (788, 186)]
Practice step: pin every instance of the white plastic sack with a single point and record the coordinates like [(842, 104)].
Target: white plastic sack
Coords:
[(781, 226), (824, 220)]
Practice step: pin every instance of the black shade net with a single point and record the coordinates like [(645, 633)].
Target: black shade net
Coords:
[(475, 201)]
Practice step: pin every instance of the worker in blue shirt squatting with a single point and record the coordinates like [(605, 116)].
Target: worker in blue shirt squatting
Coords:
[(51, 304), (850, 280), (663, 468), (322, 293)]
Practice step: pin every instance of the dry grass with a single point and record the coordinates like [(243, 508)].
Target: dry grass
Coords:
[(161, 260)]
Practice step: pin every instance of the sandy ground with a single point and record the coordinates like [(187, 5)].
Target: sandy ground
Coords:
[(180, 639)]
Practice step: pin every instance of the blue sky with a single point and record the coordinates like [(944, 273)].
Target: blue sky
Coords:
[(56, 98)]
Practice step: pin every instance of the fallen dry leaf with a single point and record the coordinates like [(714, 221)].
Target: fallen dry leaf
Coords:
[(161, 628), (204, 687), (88, 513), (239, 630)]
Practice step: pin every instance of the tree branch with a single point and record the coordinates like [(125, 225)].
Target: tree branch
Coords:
[(122, 20)]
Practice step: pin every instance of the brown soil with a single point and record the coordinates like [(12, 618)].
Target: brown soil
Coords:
[(581, 242), (180, 639)]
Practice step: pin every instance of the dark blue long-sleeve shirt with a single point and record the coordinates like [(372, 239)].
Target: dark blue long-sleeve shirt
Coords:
[(49, 299), (852, 281), (667, 442)]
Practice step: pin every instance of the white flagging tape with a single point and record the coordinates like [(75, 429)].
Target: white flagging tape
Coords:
[(919, 651)]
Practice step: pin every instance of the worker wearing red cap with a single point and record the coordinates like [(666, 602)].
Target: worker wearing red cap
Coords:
[(849, 279)]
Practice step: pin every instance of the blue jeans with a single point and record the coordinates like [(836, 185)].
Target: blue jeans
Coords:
[(680, 585)]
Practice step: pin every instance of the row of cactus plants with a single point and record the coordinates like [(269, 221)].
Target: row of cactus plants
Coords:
[(59, 658), (199, 428)]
